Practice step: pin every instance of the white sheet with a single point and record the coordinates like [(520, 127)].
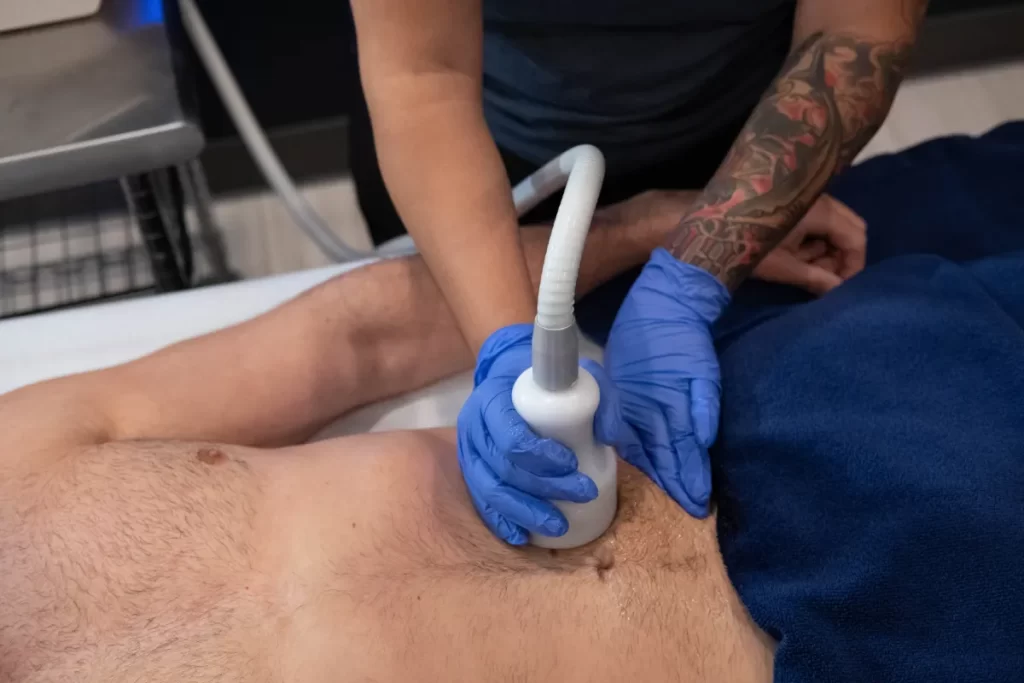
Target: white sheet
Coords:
[(55, 344)]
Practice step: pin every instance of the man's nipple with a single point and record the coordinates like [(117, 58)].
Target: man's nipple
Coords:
[(211, 456)]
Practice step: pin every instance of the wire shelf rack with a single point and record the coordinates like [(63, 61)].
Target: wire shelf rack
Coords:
[(140, 235)]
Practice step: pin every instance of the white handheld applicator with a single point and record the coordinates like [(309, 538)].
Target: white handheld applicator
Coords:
[(556, 397)]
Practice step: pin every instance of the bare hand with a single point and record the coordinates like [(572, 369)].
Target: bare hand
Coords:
[(824, 249)]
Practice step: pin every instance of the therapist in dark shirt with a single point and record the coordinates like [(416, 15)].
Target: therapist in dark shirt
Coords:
[(467, 95)]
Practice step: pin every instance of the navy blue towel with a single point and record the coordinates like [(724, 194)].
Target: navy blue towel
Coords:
[(870, 467)]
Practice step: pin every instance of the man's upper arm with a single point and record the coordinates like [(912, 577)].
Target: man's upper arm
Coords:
[(257, 383), (40, 423)]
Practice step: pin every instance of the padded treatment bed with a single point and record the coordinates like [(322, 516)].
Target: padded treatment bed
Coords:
[(870, 466)]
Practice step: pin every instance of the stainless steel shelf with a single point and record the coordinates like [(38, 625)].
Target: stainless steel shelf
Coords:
[(91, 100)]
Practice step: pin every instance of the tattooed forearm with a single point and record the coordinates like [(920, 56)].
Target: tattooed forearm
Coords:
[(827, 103)]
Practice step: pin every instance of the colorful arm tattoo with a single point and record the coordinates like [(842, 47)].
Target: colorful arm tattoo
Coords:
[(829, 100)]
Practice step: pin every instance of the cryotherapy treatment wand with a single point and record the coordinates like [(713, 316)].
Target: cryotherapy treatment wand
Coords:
[(556, 397)]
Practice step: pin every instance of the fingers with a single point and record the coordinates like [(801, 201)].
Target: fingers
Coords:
[(608, 423), (512, 436), (831, 243), (685, 471), (828, 214), (513, 534), (678, 417), (633, 449), (784, 267), (815, 279), (829, 262), (846, 230), (842, 208), (811, 250), (678, 457), (672, 459), (705, 405), (694, 475), (573, 486), (533, 514), (809, 276), (472, 472), (509, 513), (520, 459)]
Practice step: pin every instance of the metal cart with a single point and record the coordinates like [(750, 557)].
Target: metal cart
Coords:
[(101, 194)]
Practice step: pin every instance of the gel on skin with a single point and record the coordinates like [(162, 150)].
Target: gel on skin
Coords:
[(567, 416)]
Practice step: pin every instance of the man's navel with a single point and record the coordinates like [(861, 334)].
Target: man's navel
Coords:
[(604, 560)]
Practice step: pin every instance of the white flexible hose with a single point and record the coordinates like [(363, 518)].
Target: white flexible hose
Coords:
[(304, 215), (581, 171)]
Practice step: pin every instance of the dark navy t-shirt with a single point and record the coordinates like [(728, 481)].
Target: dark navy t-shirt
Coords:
[(643, 80)]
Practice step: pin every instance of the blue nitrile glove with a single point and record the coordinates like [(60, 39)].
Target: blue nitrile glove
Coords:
[(511, 473), (661, 357)]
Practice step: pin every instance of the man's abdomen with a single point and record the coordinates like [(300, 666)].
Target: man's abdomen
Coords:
[(363, 555), (395, 578)]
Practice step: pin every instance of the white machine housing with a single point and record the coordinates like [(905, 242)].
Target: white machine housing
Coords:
[(20, 14)]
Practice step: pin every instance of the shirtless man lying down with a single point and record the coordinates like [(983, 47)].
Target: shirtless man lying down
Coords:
[(159, 522)]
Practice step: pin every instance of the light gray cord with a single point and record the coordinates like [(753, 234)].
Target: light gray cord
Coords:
[(304, 215)]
